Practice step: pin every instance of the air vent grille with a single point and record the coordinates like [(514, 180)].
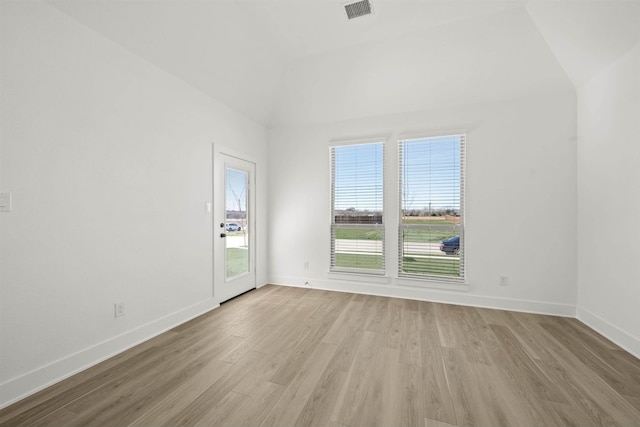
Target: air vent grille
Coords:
[(357, 9)]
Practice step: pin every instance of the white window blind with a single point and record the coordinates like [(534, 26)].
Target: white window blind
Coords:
[(357, 198), (431, 229)]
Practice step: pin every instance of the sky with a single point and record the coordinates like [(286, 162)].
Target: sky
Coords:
[(358, 176), (430, 176), (236, 183), (431, 173)]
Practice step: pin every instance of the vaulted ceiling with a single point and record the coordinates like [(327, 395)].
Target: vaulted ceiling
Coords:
[(587, 36), (301, 61)]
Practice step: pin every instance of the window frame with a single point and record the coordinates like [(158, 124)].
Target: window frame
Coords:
[(402, 275), (336, 144)]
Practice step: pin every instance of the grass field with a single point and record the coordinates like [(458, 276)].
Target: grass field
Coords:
[(427, 235), (237, 261), (358, 234), (442, 266), (433, 265), (370, 262), (428, 221)]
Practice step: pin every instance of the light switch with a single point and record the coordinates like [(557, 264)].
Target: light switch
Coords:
[(5, 202), (207, 207)]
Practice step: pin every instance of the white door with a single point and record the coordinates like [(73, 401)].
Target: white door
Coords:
[(234, 226)]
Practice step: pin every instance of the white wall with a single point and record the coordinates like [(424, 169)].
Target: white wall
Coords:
[(216, 46), (608, 203), (109, 160), (520, 210)]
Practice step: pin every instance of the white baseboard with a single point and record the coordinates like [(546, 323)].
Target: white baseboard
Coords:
[(446, 296), (620, 337), (24, 385)]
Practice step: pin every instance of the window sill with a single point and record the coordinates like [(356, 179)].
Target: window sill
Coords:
[(358, 277), (431, 283)]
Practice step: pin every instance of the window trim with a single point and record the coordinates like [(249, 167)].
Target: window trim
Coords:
[(413, 277)]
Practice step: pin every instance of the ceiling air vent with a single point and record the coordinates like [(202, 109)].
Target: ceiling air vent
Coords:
[(358, 9)]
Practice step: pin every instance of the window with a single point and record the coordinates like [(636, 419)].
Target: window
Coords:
[(357, 229), (431, 229)]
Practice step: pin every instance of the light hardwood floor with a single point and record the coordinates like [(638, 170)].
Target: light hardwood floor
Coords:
[(282, 356)]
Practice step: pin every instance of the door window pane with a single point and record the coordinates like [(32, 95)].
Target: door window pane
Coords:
[(236, 223)]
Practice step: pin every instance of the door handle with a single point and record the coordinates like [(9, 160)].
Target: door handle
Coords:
[(223, 235)]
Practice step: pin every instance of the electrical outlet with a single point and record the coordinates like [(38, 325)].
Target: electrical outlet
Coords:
[(119, 309), (504, 280), (306, 265)]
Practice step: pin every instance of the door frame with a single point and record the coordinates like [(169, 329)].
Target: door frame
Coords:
[(219, 278)]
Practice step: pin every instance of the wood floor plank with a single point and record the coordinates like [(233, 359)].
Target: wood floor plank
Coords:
[(253, 380), (252, 320), (580, 401), (379, 321), (379, 405), (122, 403), (470, 336), (523, 369), (461, 388), (494, 317), (346, 351), (180, 396), (221, 411), (498, 397), (315, 332), (280, 356), (594, 359), (30, 403), (409, 396), (59, 400), (634, 401), (347, 321), (410, 344), (61, 417), (264, 321), (594, 390), (199, 406), (288, 408), (570, 416), (625, 366), (587, 334), (353, 395), (438, 402), (393, 334), (446, 321), (258, 405), (435, 423), (317, 410), (527, 329), (287, 335)]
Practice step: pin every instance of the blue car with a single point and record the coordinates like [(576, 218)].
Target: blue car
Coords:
[(451, 246)]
